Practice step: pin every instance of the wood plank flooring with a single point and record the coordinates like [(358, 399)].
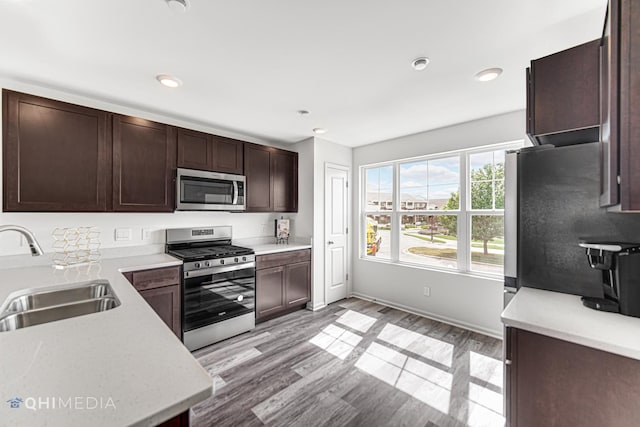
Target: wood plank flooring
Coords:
[(354, 363)]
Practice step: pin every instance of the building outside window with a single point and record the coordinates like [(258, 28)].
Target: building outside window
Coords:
[(441, 211)]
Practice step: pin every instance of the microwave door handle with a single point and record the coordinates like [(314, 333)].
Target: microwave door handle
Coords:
[(235, 192)]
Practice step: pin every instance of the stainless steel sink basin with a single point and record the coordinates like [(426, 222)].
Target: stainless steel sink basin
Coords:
[(45, 315), (48, 298), (49, 305)]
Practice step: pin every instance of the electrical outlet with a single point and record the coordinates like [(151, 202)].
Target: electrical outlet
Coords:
[(427, 291), (122, 234), (146, 234)]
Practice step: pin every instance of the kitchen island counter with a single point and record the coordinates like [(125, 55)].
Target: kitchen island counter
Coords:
[(123, 366), (563, 316)]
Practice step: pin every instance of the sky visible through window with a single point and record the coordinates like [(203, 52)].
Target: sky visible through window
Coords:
[(421, 182)]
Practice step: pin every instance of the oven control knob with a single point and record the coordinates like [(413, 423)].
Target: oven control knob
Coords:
[(207, 264), (221, 261), (244, 258), (196, 265), (235, 260)]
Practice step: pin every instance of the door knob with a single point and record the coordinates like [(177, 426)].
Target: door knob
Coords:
[(330, 242)]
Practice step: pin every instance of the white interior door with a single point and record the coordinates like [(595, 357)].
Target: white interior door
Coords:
[(336, 223)]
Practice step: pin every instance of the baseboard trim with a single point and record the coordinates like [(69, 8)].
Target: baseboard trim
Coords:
[(444, 319), (316, 307)]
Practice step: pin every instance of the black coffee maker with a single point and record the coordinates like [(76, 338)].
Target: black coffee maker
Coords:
[(620, 266)]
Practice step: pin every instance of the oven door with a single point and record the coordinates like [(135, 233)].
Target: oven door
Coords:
[(201, 190), (218, 294)]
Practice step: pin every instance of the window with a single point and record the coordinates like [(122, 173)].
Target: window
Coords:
[(379, 200), (487, 206), (445, 212)]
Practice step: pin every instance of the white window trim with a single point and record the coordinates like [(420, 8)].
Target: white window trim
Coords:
[(464, 214)]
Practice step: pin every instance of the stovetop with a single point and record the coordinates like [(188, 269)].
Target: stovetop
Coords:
[(209, 252)]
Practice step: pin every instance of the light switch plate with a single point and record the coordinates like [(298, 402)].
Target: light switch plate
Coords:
[(123, 234)]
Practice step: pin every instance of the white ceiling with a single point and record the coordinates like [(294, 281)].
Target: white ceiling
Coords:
[(249, 65)]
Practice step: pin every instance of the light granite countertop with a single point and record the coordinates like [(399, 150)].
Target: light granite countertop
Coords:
[(564, 317), (271, 248), (119, 367)]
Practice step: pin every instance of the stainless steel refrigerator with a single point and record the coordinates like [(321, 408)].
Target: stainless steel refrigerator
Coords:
[(555, 192)]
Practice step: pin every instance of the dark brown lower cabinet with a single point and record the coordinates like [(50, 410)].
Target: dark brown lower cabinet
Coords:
[(181, 420), (270, 297), (162, 290), (297, 278), (551, 382), (283, 283)]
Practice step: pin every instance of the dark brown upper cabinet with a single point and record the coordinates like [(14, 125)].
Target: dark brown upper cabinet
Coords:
[(284, 172), (227, 155), (620, 107), (144, 164), (198, 150), (257, 169), (56, 156), (194, 150), (272, 179), (563, 96)]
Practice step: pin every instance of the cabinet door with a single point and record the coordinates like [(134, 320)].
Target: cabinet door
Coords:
[(298, 283), (285, 181), (564, 96), (557, 383), (166, 303), (194, 150), (144, 163), (629, 102), (257, 168), (227, 155), (56, 156), (270, 291)]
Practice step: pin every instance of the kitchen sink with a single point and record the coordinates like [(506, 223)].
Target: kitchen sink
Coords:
[(47, 298), (48, 305)]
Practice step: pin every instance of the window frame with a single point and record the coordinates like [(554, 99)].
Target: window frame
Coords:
[(464, 212)]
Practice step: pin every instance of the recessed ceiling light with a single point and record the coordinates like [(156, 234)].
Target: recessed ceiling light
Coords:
[(178, 5), (303, 112), (168, 81), (488, 74), (420, 64), (319, 131)]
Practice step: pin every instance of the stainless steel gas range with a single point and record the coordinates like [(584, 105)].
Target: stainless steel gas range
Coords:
[(218, 284)]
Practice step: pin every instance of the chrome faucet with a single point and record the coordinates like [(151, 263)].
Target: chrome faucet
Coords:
[(36, 250)]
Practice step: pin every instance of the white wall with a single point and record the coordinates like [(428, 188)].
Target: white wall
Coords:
[(325, 152), (462, 299), (244, 225)]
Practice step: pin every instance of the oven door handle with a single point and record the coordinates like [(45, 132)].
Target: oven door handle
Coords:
[(216, 270), (235, 192)]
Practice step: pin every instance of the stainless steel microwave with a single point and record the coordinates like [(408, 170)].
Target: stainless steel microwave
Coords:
[(209, 191)]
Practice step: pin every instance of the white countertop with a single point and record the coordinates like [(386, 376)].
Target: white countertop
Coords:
[(271, 248), (564, 317), (126, 354)]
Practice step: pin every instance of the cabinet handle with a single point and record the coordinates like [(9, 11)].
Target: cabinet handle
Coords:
[(330, 242), (507, 362)]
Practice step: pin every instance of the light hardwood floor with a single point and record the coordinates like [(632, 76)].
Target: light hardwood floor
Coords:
[(354, 363)]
